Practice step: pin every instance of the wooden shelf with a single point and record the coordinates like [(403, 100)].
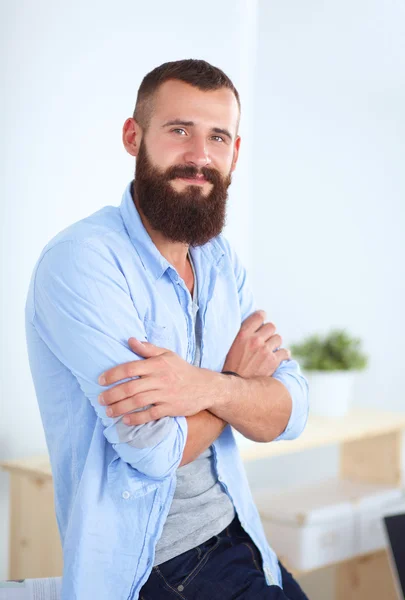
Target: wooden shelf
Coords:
[(34, 466), (35, 548), (358, 424)]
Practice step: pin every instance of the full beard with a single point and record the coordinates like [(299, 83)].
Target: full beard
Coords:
[(190, 217)]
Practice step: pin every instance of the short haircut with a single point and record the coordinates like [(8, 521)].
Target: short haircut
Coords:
[(197, 73)]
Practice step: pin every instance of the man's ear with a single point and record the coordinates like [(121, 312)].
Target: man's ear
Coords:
[(236, 153), (132, 136)]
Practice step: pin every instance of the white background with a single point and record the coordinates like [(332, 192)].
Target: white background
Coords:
[(316, 208)]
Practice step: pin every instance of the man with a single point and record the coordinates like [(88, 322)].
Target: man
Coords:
[(145, 349)]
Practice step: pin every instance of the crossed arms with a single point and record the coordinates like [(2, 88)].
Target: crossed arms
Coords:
[(256, 404), (85, 314)]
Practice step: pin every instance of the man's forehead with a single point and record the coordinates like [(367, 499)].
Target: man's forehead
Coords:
[(176, 100)]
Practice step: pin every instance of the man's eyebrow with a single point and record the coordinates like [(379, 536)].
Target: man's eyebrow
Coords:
[(223, 131), (191, 124), (179, 122)]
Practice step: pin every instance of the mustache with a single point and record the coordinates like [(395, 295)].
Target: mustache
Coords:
[(191, 172)]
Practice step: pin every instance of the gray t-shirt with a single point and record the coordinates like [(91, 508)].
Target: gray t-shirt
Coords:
[(200, 508)]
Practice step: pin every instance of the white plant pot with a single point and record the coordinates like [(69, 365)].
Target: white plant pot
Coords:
[(330, 392)]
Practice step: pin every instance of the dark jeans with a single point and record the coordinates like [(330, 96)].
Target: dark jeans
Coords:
[(226, 567)]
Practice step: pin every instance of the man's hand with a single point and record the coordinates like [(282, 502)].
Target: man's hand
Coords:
[(253, 352), (167, 386)]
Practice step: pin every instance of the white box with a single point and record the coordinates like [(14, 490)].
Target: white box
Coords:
[(370, 503), (308, 526), (326, 522), (369, 513)]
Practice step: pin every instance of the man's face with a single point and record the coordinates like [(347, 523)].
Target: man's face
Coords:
[(185, 160)]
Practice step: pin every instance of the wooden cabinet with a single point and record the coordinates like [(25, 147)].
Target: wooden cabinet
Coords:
[(370, 450), (35, 548)]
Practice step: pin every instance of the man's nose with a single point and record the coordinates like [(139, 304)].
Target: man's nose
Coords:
[(197, 154)]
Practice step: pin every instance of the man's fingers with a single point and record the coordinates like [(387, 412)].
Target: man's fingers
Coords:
[(138, 402), (134, 368), (274, 342), (145, 349), (144, 416), (266, 331), (283, 354), (128, 389), (253, 322)]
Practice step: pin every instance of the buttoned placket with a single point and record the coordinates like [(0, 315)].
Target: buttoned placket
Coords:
[(186, 302)]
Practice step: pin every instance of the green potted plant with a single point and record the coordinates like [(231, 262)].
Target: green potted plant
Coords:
[(330, 363)]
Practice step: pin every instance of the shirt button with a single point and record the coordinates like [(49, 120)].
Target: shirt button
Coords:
[(126, 495), (180, 588)]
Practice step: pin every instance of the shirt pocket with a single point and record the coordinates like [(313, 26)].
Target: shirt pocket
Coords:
[(157, 334)]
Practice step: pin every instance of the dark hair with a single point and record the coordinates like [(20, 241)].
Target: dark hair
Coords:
[(198, 73)]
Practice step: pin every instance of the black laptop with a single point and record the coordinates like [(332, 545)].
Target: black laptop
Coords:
[(395, 532)]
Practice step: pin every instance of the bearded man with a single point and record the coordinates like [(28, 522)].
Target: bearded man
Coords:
[(146, 350)]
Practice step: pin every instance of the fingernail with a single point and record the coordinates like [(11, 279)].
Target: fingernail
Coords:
[(101, 399), (108, 412), (126, 420), (101, 380)]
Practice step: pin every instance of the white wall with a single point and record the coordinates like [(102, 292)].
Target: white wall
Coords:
[(329, 181), (71, 71), (320, 182), (329, 177)]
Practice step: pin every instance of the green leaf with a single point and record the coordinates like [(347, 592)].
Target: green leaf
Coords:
[(337, 351)]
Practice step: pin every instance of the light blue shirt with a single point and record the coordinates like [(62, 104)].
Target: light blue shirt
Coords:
[(97, 283)]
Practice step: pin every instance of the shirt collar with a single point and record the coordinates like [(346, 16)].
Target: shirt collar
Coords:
[(153, 261)]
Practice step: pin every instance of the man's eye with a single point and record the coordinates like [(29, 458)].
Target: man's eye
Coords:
[(218, 138), (177, 130)]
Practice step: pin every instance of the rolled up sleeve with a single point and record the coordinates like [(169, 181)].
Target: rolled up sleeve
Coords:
[(85, 314), (289, 374)]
